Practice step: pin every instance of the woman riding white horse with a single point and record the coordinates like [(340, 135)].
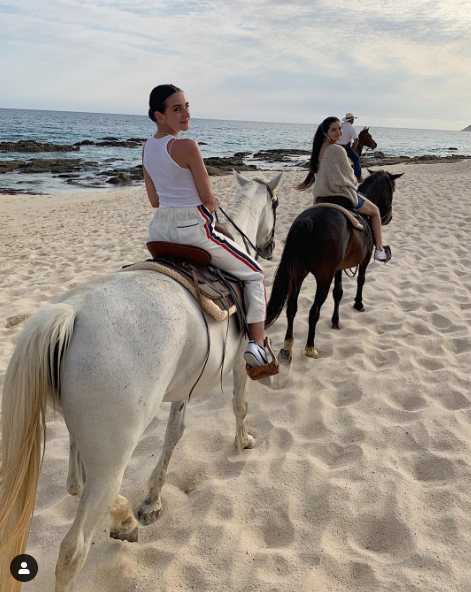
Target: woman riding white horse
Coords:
[(178, 187), (106, 355)]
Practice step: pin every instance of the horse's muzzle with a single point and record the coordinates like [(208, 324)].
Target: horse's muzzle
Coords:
[(267, 252)]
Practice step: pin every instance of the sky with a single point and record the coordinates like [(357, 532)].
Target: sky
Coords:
[(400, 63)]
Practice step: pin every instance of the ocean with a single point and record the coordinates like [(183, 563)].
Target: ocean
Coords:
[(220, 137)]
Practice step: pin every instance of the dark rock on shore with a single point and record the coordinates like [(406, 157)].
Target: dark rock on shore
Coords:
[(120, 179), (33, 146), (46, 165), (87, 182), (113, 142), (424, 159), (51, 165), (8, 166), (280, 154), (223, 165), (467, 129), (120, 143), (11, 191)]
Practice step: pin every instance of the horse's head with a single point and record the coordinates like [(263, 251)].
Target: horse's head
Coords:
[(379, 188), (264, 193), (366, 139)]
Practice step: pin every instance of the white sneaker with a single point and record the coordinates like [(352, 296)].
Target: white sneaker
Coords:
[(256, 355), (383, 255)]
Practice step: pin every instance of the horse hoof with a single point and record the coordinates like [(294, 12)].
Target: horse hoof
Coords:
[(359, 307), (74, 489), (312, 352), (130, 537), (336, 325), (285, 355), (247, 444), (147, 516)]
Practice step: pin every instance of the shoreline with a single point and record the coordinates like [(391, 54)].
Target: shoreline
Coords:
[(70, 171)]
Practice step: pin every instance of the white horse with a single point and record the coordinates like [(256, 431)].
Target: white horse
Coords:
[(107, 355)]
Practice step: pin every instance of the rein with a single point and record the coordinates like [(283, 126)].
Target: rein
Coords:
[(247, 242), (351, 272)]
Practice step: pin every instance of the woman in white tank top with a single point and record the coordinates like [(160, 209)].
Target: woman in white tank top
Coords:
[(178, 186)]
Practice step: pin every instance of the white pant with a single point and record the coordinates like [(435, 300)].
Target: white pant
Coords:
[(195, 226)]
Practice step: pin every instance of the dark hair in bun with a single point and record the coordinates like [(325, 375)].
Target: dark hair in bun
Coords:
[(158, 96)]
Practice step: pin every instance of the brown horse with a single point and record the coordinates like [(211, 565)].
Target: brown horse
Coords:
[(321, 241), (365, 139)]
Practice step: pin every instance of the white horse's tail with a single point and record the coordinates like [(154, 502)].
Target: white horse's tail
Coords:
[(32, 378)]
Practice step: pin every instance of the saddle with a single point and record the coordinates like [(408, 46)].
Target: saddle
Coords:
[(343, 205), (219, 293)]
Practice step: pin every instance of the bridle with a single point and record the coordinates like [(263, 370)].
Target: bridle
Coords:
[(270, 244)]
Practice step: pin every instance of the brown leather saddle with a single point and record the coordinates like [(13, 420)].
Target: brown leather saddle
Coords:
[(195, 264)]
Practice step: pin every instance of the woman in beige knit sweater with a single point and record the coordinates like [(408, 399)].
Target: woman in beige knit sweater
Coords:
[(332, 175)]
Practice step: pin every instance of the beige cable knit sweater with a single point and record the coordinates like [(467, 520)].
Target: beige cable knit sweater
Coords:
[(335, 175)]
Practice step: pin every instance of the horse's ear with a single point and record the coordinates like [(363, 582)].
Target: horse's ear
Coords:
[(241, 180), (394, 177), (273, 184)]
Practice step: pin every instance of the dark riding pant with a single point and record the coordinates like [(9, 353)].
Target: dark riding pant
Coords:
[(355, 159)]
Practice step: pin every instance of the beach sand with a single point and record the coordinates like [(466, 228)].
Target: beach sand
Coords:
[(361, 476)]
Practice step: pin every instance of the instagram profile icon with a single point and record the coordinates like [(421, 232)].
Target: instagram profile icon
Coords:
[(24, 568)]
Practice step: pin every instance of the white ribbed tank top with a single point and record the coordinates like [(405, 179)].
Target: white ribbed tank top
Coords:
[(174, 184)]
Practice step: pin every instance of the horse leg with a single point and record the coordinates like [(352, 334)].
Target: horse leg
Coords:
[(149, 510), (360, 283), (286, 353), (76, 473), (239, 404), (124, 526), (104, 476), (337, 293), (323, 286)]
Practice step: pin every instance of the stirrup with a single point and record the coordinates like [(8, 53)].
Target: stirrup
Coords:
[(270, 369), (387, 250)]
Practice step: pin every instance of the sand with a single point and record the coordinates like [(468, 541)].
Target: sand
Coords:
[(361, 476)]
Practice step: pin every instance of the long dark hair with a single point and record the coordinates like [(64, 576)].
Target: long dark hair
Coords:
[(319, 138), (158, 96)]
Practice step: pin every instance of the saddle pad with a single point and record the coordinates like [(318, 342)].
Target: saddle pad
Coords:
[(209, 306), (350, 217)]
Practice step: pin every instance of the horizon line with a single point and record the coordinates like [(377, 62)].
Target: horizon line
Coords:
[(213, 118)]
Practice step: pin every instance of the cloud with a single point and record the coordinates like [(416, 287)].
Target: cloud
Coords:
[(400, 61)]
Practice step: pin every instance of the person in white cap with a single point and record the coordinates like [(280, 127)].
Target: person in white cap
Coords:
[(349, 140)]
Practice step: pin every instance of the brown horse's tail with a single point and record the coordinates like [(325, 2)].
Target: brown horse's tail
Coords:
[(291, 267)]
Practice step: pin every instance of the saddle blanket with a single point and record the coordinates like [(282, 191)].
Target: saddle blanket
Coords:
[(347, 213), (210, 297)]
